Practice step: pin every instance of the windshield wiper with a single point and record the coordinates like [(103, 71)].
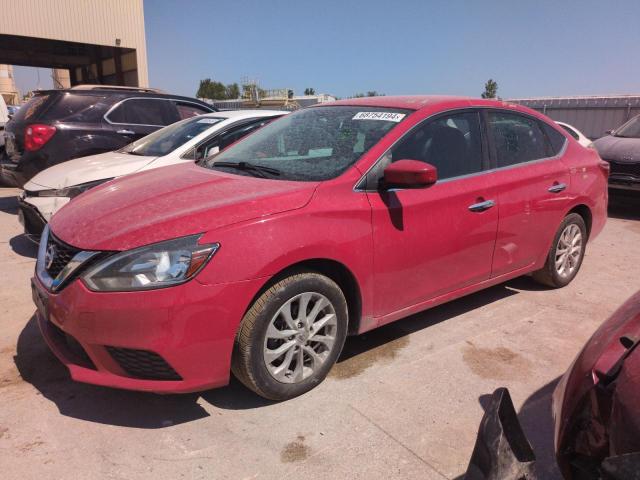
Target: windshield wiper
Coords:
[(248, 167)]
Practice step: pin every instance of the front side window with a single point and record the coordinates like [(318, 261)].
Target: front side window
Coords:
[(313, 144), (167, 139), (142, 111), (517, 138), (451, 143)]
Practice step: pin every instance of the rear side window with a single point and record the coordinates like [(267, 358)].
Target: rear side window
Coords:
[(556, 138), (451, 143), (188, 110), (28, 111), (142, 111), (75, 108), (517, 138)]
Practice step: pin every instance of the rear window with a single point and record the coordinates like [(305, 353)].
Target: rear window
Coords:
[(28, 111), (75, 108), (556, 138)]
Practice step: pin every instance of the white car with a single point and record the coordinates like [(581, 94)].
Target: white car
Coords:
[(577, 134), (186, 141), (4, 118)]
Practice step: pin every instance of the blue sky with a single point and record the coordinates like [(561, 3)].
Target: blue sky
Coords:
[(396, 47)]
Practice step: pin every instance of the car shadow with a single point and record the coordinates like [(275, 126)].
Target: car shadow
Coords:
[(536, 418), (24, 247), (38, 366), (624, 206), (9, 205)]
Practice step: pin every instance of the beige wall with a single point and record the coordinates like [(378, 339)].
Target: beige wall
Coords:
[(97, 22)]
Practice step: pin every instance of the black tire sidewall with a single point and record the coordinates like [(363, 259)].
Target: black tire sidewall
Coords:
[(311, 282), (572, 218)]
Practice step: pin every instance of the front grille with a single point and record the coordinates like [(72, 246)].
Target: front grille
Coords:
[(61, 254), (143, 364), (632, 169)]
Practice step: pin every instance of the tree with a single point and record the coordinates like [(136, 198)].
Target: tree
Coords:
[(309, 91), (490, 89), (233, 91), (217, 90), (290, 94)]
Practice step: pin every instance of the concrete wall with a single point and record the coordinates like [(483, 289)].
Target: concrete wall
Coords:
[(97, 22)]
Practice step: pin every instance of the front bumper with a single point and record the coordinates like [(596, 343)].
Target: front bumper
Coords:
[(190, 327), (31, 219)]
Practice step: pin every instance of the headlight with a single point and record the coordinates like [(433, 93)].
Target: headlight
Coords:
[(72, 191), (154, 266)]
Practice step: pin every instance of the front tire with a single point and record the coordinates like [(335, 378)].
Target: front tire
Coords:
[(291, 336), (566, 253)]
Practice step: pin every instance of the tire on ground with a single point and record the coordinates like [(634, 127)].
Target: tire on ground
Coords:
[(248, 364), (548, 275)]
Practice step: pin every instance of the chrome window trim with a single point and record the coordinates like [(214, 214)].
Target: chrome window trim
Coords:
[(468, 175), (53, 284), (116, 105)]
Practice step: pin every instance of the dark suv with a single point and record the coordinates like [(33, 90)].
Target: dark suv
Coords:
[(58, 125)]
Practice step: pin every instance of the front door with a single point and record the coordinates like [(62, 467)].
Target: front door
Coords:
[(435, 240)]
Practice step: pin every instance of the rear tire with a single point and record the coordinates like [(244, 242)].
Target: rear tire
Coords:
[(291, 336), (566, 253)]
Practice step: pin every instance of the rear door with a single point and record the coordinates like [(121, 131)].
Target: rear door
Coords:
[(135, 117), (432, 241), (532, 183)]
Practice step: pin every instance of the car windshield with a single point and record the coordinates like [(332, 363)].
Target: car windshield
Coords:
[(167, 139), (631, 129), (313, 144)]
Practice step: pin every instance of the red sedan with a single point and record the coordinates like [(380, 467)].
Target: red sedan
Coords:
[(331, 221)]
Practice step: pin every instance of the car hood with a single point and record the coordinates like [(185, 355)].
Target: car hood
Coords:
[(171, 202), (618, 149), (87, 169)]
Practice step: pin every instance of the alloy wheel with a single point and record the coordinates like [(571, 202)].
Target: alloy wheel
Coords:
[(568, 250), (300, 337)]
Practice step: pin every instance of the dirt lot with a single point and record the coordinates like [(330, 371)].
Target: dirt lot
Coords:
[(403, 402)]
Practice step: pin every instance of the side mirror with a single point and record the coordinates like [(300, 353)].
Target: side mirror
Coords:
[(409, 174)]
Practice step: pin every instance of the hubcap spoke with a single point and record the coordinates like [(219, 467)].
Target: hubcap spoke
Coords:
[(294, 337), (568, 250)]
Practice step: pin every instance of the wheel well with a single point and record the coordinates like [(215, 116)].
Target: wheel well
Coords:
[(585, 213), (337, 272)]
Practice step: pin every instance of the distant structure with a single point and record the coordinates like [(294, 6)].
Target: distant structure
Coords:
[(89, 41), (8, 88), (592, 115), (276, 99)]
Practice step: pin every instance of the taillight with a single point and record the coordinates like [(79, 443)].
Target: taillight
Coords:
[(35, 136)]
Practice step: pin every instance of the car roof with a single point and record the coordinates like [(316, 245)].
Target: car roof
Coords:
[(122, 94), (240, 114), (432, 103)]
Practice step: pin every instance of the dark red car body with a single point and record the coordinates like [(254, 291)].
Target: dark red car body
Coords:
[(597, 401), (393, 254)]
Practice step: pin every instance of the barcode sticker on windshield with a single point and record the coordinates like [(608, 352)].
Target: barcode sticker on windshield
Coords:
[(387, 116), (209, 120)]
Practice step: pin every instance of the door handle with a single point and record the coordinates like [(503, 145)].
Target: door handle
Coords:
[(126, 132), (482, 206), (557, 187)]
